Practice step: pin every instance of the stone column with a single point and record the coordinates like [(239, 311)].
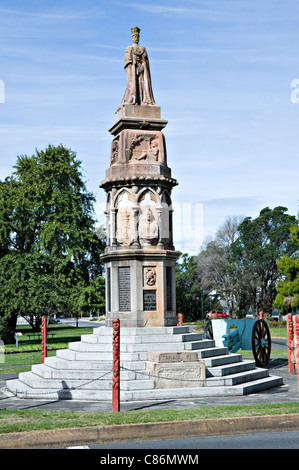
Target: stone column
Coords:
[(113, 226), (136, 214)]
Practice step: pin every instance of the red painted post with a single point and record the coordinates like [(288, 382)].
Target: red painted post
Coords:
[(115, 366), (261, 315), (44, 338), (296, 334), (290, 340), (180, 315)]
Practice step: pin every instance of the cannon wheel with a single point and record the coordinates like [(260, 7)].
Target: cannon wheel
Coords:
[(261, 343), (208, 333)]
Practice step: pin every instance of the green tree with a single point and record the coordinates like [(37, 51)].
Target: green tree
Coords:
[(217, 266), (287, 298), (241, 263), (47, 235), (260, 244)]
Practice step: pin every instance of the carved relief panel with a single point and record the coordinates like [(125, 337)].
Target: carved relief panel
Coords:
[(144, 147), (149, 277), (133, 146)]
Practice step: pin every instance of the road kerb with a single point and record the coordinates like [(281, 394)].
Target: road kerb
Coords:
[(58, 438)]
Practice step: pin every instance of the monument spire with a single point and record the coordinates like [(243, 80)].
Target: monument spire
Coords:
[(139, 256)]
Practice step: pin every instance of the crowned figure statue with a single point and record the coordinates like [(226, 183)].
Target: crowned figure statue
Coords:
[(136, 64)]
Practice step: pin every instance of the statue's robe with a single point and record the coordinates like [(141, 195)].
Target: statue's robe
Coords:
[(139, 86)]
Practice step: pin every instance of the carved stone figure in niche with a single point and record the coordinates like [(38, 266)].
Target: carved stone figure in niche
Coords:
[(148, 227), (139, 86), (144, 147), (125, 220), (150, 276), (114, 151), (125, 229)]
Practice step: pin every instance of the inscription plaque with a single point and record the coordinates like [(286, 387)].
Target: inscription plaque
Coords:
[(149, 300), (175, 356), (124, 289)]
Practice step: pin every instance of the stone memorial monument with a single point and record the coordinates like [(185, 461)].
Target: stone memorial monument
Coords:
[(158, 359), (140, 256)]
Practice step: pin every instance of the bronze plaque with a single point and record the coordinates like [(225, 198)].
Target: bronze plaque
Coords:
[(149, 300)]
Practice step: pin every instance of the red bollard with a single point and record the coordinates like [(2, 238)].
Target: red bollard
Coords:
[(261, 313), (290, 340), (180, 315), (44, 338), (296, 334), (115, 366)]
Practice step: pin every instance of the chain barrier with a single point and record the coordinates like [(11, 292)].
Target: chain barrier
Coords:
[(286, 345), (62, 390), (66, 390)]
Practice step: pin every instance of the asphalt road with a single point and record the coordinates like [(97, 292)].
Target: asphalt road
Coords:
[(81, 323), (269, 440)]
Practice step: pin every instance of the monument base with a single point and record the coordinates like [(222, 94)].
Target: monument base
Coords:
[(140, 287), (84, 370)]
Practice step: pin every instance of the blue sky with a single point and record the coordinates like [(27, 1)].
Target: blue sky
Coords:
[(221, 72)]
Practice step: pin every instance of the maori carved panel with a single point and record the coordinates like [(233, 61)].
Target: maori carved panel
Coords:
[(115, 366)]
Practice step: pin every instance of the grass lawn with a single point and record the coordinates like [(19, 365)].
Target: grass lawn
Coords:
[(28, 351), (29, 420)]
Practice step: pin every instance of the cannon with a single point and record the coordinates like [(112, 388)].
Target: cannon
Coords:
[(245, 333)]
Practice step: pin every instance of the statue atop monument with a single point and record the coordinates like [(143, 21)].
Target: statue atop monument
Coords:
[(136, 64)]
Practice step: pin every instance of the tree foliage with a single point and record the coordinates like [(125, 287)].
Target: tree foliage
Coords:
[(192, 300), (241, 263), (216, 264), (287, 298), (261, 243), (49, 252)]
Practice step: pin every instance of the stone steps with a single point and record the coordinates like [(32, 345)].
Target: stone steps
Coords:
[(37, 382), (84, 370), (229, 369), (63, 364), (42, 376), (141, 347), (126, 339), (216, 361), (23, 391)]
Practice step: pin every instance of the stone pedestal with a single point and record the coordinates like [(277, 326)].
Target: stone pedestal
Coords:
[(140, 257)]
